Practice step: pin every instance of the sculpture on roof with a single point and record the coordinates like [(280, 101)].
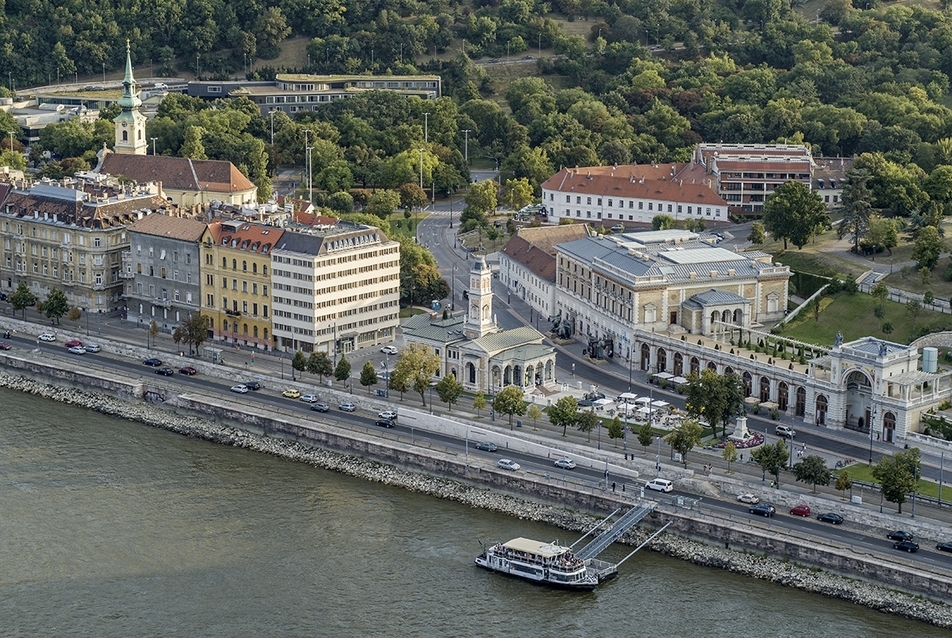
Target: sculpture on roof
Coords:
[(883, 349), (838, 341)]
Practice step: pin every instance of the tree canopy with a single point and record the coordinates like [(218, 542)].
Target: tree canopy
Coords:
[(793, 212)]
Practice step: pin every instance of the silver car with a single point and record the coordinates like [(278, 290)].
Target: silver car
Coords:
[(507, 464)]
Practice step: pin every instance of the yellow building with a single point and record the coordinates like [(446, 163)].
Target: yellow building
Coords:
[(236, 281)]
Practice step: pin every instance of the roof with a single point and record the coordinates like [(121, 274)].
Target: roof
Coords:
[(442, 331), (529, 546), (624, 184), (97, 209), (506, 339), (715, 297), (700, 256), (178, 173), (536, 260), (252, 238), (878, 347), (181, 228), (546, 238)]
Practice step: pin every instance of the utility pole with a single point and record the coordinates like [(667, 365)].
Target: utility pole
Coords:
[(307, 155)]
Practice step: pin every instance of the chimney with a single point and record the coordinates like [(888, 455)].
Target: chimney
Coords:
[(692, 275), (730, 272), (713, 274)]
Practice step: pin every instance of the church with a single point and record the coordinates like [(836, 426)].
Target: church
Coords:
[(471, 346)]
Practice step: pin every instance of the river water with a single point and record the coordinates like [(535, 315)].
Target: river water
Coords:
[(111, 528)]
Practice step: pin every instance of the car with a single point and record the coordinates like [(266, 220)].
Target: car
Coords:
[(494, 61), (390, 415), (527, 57), (944, 547), (659, 485), (291, 393), (310, 398), (320, 407), (507, 464), (188, 371), (77, 350), (900, 535), (906, 546), (165, 372), (240, 388), (152, 362), (763, 509), (618, 228), (565, 464), (585, 403), (47, 336), (74, 343), (785, 430), (347, 407), (93, 347), (748, 498), (252, 385), (830, 517), (5, 346), (389, 350), (487, 446), (801, 509), (385, 423)]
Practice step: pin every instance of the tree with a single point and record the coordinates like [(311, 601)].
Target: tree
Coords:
[(843, 481), (813, 469), (793, 212), (684, 437), (509, 401), (729, 454), (714, 397), (482, 197), (368, 375), (21, 298), (449, 390), (645, 436), (153, 331), (663, 222), (382, 203), (757, 234), (417, 364), (321, 365), (517, 193), (897, 475), (56, 305), (195, 330), (913, 309), (880, 292), (615, 429), (882, 234), (564, 412), (479, 402), (928, 247), (857, 206), (587, 421), (342, 371), (412, 196), (534, 413), (772, 458), (299, 362)]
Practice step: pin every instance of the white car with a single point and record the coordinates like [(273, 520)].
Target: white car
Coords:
[(748, 498), (659, 485), (347, 407), (240, 388), (506, 464), (310, 398), (565, 464), (389, 350), (387, 414), (47, 336), (77, 350), (92, 347), (785, 430)]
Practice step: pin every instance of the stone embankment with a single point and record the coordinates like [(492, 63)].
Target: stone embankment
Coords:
[(740, 562)]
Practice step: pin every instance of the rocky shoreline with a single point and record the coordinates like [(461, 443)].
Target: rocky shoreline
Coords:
[(758, 566)]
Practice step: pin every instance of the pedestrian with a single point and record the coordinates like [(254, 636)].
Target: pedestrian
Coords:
[(741, 457), (622, 487), (613, 486)]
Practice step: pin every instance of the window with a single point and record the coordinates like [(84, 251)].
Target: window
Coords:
[(97, 242)]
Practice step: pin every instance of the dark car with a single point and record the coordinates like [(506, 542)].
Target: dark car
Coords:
[(763, 509), (800, 509), (188, 371), (165, 372), (5, 346), (74, 343), (153, 362), (899, 536), (320, 407), (384, 423), (487, 446), (830, 517), (906, 546), (944, 547), (252, 385)]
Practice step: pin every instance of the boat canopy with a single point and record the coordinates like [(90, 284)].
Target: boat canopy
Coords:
[(530, 546)]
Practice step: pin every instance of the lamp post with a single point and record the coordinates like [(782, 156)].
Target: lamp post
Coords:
[(271, 113), (421, 168), (873, 420), (466, 132), (629, 369), (431, 398), (599, 426), (386, 368), (153, 144), (310, 186), (426, 128), (763, 470), (453, 303), (103, 71), (451, 210), (306, 155)]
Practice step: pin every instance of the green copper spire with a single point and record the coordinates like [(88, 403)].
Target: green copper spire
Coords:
[(130, 97)]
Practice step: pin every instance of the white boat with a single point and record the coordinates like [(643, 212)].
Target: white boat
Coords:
[(548, 563)]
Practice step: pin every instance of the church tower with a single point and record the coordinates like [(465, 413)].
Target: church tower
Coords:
[(130, 124), (479, 317)]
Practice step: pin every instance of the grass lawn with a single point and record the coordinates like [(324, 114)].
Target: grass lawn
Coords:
[(863, 472), (853, 315)]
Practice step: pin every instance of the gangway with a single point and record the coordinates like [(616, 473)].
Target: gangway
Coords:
[(598, 544)]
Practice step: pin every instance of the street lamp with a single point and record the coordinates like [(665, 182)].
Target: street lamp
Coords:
[(431, 398), (466, 132), (453, 303), (426, 128), (307, 155), (271, 113), (421, 169), (386, 367), (153, 144), (629, 369)]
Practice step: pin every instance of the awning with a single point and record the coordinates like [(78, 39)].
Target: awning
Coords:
[(679, 380)]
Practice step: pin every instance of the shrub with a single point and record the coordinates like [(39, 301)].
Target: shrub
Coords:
[(774, 414)]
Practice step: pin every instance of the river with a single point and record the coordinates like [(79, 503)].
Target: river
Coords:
[(111, 528)]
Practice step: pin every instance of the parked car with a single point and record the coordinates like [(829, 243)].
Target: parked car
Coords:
[(347, 407), (527, 57), (385, 423), (47, 336), (785, 430), (390, 415), (252, 385), (565, 464), (748, 498), (240, 388), (801, 509), (506, 464), (944, 547), (77, 350), (763, 509), (618, 228), (152, 362), (165, 372), (389, 350), (93, 347), (5, 346), (900, 535), (320, 407), (291, 393), (906, 546), (74, 343), (486, 446), (310, 398), (830, 517), (659, 485), (188, 371)]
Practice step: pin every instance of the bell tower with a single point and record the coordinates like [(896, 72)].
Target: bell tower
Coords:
[(479, 316), (130, 123)]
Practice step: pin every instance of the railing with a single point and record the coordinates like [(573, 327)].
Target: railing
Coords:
[(911, 498)]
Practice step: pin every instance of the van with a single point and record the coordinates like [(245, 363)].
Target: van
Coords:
[(659, 485)]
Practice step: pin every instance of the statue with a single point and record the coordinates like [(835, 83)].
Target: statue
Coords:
[(883, 349), (564, 329), (838, 341)]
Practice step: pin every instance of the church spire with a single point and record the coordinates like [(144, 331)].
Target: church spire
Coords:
[(130, 96), (130, 123)]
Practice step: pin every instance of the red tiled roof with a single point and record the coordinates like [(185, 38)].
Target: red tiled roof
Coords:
[(621, 183), (256, 238), (534, 259), (179, 173)]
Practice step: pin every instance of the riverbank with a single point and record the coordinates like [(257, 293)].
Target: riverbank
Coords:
[(741, 562)]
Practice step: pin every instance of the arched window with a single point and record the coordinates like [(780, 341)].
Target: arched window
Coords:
[(748, 384), (254, 267), (822, 405), (255, 332), (234, 264), (645, 357), (224, 326), (125, 136), (678, 364), (662, 360), (764, 389), (889, 426), (695, 365), (783, 395), (244, 329), (801, 408), (471, 372), (244, 266)]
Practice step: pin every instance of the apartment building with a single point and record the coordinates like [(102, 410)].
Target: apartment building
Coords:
[(335, 292)]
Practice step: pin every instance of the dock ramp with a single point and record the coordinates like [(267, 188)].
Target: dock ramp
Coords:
[(598, 544)]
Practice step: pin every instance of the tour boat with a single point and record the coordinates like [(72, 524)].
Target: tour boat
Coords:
[(548, 563)]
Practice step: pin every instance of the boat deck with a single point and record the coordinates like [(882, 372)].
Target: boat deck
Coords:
[(601, 568)]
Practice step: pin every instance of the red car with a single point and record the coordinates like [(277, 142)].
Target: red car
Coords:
[(800, 510), (74, 343), (189, 370)]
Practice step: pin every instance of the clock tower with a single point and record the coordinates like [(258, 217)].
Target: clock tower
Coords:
[(479, 316), (130, 123)]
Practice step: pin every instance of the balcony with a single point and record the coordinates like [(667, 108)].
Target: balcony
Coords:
[(99, 286), (233, 313)]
